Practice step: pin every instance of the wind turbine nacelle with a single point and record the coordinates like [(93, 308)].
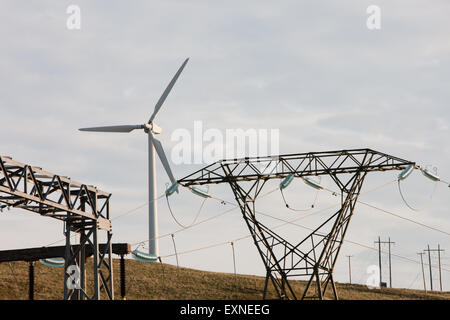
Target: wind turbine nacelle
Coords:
[(153, 127)]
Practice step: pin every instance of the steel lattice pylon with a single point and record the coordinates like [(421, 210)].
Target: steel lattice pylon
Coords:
[(315, 256), (84, 210)]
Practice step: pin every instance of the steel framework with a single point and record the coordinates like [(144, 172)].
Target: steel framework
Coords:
[(315, 256), (83, 209)]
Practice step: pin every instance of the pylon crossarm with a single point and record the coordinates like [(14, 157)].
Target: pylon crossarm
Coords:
[(331, 163)]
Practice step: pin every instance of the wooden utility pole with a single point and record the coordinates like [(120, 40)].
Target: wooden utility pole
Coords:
[(440, 269), (379, 259), (423, 271), (389, 242), (390, 264), (31, 280), (349, 269), (438, 250), (429, 264)]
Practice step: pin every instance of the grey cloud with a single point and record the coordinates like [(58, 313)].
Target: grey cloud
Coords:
[(310, 69)]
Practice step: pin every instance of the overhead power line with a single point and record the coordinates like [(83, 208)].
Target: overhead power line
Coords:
[(285, 222), (292, 222)]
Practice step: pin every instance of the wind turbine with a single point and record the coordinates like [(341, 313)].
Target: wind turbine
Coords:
[(151, 129)]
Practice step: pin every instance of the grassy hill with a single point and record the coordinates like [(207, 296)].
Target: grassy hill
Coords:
[(162, 281)]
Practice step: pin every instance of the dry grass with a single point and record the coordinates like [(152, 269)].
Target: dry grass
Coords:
[(167, 282)]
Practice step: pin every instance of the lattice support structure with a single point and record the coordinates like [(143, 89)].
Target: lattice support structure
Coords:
[(315, 256), (83, 209), (102, 270)]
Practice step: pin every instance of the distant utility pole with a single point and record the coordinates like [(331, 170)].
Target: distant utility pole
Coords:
[(440, 269), (438, 250), (423, 271), (379, 242), (349, 269), (390, 263)]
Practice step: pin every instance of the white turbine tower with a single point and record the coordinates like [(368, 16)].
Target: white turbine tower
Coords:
[(150, 128)]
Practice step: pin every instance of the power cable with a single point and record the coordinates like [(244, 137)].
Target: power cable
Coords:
[(412, 283), (184, 229), (394, 214), (406, 219), (234, 266), (163, 283), (264, 195), (299, 210), (411, 207), (225, 202), (117, 217), (176, 254), (17, 286), (287, 222), (295, 224), (291, 222), (176, 220), (137, 208)]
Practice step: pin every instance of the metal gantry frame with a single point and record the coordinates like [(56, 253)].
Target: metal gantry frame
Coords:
[(84, 210), (315, 256)]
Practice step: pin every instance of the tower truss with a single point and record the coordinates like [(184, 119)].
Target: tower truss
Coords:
[(315, 256), (84, 210)]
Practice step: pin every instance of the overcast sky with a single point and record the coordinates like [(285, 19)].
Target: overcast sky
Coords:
[(311, 69)]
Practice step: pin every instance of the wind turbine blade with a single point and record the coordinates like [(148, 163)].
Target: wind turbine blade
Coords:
[(162, 156), (167, 91), (123, 129)]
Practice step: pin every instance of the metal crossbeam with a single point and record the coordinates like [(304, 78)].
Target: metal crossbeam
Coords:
[(84, 210), (31, 188), (302, 164), (315, 256), (35, 254)]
